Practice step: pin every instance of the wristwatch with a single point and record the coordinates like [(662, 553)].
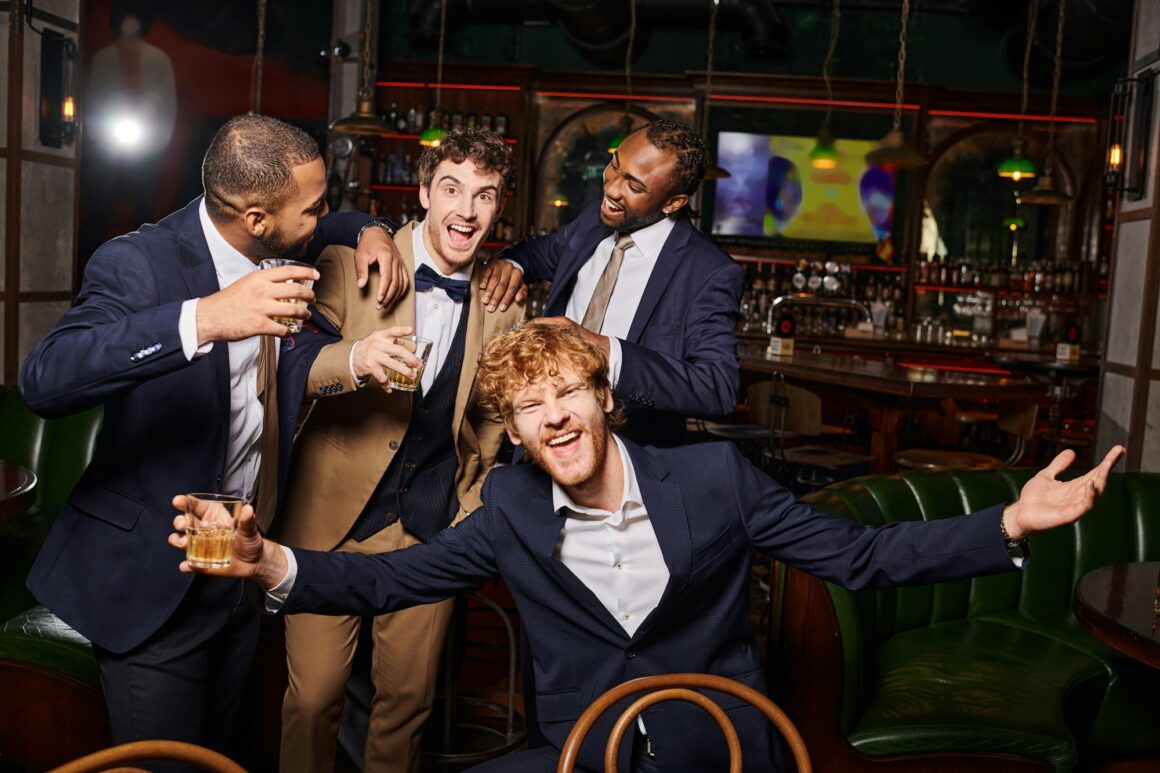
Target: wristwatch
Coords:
[(1017, 549), (374, 224)]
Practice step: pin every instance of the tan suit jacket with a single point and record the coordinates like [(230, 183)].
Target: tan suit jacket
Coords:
[(352, 433)]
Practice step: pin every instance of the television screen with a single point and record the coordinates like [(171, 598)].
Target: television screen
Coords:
[(775, 192)]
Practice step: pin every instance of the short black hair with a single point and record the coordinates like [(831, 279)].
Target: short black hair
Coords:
[(686, 146), (251, 163)]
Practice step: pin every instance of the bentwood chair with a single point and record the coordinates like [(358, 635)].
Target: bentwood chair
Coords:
[(664, 687), (116, 758)]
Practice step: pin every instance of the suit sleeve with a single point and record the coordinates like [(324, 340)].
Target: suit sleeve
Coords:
[(704, 382), (456, 560), (857, 556), (338, 228), (117, 336), (539, 256), (331, 294)]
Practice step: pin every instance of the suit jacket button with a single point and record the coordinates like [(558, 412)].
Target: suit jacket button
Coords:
[(630, 653), (393, 445)]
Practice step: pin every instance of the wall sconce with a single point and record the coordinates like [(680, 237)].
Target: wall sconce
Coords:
[(1127, 156), (57, 105)]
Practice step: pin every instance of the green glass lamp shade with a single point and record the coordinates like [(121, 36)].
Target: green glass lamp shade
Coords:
[(1013, 223), (1016, 167), (824, 155), (1045, 193), (432, 136)]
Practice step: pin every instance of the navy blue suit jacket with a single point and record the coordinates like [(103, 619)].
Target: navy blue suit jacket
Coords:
[(709, 509), (105, 567), (680, 356)]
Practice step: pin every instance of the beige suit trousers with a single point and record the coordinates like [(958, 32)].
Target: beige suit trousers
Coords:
[(319, 650)]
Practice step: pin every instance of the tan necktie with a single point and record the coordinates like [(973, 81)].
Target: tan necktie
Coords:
[(598, 306), (267, 492)]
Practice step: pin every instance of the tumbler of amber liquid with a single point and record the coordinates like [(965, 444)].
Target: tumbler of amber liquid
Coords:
[(421, 348), (294, 324), (212, 525)]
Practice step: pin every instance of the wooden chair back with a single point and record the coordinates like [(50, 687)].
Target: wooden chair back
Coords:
[(663, 687), (116, 757)]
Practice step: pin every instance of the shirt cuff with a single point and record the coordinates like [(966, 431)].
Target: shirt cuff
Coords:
[(615, 358), (358, 382), (187, 331), (517, 265), (276, 596)]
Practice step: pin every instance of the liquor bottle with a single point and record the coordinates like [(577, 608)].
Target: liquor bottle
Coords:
[(485, 121), (393, 115), (470, 121), (501, 124), (411, 119), (456, 120)]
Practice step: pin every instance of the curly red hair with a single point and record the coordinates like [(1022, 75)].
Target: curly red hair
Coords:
[(530, 354)]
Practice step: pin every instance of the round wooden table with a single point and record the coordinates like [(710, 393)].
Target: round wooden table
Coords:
[(17, 489), (1118, 603)]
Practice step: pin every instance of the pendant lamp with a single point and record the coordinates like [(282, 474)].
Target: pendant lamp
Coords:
[(364, 120), (894, 152), (1016, 167), (824, 155), (1045, 193), (626, 119), (712, 170), (434, 133)]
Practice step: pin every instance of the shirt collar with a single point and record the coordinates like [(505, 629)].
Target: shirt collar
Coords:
[(562, 504), (650, 239), (423, 258), (229, 264)]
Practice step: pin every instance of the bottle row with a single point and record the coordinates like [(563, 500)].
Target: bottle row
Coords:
[(1039, 276), (415, 119)]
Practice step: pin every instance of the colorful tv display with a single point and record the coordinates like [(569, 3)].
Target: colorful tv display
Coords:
[(775, 192)]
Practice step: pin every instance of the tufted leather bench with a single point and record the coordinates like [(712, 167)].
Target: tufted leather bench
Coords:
[(982, 674), (57, 450)]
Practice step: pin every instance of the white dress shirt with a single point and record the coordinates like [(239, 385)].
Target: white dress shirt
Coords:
[(615, 554), (243, 448), (436, 315), (635, 271)]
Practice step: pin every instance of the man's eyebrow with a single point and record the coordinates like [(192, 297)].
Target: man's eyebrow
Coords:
[(631, 177), (450, 177), (317, 203)]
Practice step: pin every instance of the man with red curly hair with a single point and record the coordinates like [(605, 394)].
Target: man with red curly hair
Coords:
[(627, 561)]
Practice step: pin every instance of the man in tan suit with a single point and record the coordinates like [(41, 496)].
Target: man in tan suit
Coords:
[(376, 470)]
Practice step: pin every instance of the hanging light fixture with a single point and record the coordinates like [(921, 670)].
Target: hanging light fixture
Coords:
[(434, 133), (712, 170), (824, 155), (259, 59), (364, 120), (894, 152), (1016, 167), (1045, 193), (626, 119)]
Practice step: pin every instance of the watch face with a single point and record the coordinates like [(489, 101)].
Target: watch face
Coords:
[(342, 146)]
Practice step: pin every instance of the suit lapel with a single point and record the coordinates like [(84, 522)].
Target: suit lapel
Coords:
[(200, 277), (477, 319), (666, 510), (542, 527), (574, 259), (403, 312), (672, 253)]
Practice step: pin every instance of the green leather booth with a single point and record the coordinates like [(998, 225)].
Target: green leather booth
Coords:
[(57, 450), (992, 673)]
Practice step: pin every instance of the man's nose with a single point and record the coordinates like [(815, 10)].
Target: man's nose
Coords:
[(554, 412)]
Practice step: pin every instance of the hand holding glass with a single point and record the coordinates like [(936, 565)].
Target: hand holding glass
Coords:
[(212, 525), (292, 323), (420, 347)]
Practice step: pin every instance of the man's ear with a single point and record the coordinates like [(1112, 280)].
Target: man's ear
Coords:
[(608, 404), (257, 221), (513, 436), (424, 197), (674, 203)]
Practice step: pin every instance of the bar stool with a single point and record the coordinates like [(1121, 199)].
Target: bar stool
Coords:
[(1017, 419), (465, 735)]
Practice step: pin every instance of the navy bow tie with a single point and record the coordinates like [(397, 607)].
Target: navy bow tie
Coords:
[(426, 278)]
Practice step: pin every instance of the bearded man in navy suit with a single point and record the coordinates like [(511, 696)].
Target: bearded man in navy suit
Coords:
[(627, 561), (166, 335)]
